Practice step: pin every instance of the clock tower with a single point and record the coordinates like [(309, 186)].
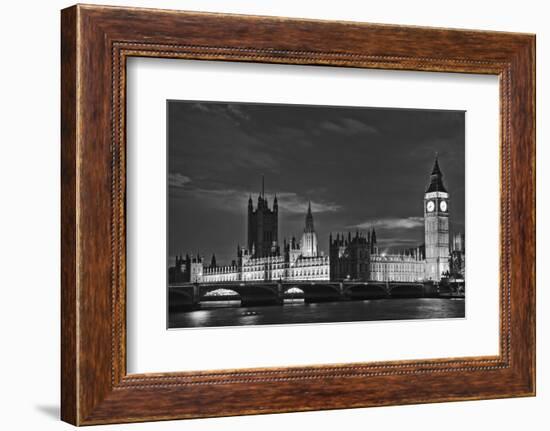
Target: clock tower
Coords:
[(436, 226)]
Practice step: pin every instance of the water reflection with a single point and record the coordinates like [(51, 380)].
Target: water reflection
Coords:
[(297, 311)]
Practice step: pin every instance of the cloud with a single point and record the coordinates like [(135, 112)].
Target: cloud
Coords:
[(237, 112), (178, 180), (291, 136), (201, 107), (392, 223), (215, 141), (231, 111), (348, 126), (293, 203), (234, 200), (221, 199)]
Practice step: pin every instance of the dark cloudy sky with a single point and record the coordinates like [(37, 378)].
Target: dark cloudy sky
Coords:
[(360, 167)]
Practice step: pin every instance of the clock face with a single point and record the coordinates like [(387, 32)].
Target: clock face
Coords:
[(443, 206), (431, 206)]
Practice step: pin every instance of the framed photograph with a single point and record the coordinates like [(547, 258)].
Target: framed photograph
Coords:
[(267, 215)]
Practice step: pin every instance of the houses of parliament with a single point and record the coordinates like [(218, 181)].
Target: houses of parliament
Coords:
[(351, 256)]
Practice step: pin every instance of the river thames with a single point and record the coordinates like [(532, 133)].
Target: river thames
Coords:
[(222, 313)]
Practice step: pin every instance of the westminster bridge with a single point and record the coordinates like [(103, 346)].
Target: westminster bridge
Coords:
[(275, 292)]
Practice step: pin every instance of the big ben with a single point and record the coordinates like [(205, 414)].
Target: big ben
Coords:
[(436, 225)]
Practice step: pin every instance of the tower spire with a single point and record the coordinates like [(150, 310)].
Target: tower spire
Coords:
[(436, 178), (309, 220), (309, 237), (436, 170)]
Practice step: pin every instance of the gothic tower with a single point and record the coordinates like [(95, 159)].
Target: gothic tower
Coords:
[(309, 237), (262, 226), (436, 225)]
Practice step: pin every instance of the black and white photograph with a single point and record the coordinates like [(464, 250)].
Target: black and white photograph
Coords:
[(304, 214)]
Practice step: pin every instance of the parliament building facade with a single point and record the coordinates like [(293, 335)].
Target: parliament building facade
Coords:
[(351, 256)]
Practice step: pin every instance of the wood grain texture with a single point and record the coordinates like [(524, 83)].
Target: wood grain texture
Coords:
[(96, 41), (69, 397)]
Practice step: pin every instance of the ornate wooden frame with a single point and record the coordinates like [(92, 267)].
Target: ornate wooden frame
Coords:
[(95, 43)]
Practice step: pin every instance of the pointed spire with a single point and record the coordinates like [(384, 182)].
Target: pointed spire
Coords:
[(436, 170), (436, 178), (309, 220)]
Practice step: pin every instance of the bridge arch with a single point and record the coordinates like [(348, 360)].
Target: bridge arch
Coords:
[(220, 296), (222, 292), (249, 293), (293, 290), (293, 294)]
